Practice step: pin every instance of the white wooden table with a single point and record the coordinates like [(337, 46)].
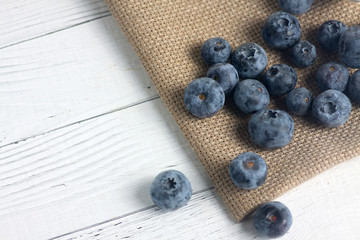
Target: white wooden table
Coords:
[(83, 133)]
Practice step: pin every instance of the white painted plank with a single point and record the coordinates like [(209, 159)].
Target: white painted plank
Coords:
[(325, 207), (66, 77), (91, 171), (22, 20)]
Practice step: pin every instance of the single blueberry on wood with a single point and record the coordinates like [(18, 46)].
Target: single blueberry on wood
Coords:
[(170, 190), (204, 97), (281, 30), (249, 60), (272, 219), (225, 74), (331, 108), (271, 128), (248, 170), (215, 50), (251, 96)]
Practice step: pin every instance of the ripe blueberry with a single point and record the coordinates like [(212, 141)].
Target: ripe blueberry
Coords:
[(295, 7), (249, 60), (204, 97), (303, 54), (272, 219), (251, 96), (280, 79), (331, 108), (271, 128), (349, 47), (170, 190), (281, 30), (332, 75), (329, 34), (215, 50), (354, 87), (248, 170), (299, 101), (225, 74)]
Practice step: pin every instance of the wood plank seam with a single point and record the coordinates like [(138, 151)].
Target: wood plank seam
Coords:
[(81, 121), (211, 188), (107, 14)]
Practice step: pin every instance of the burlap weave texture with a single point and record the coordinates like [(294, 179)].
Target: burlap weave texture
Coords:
[(167, 36)]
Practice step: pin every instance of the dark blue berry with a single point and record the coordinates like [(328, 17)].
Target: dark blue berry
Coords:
[(271, 128), (280, 79), (249, 60), (251, 96), (349, 47), (170, 190), (332, 75), (215, 50), (225, 74), (354, 87), (299, 101), (248, 170), (331, 108), (329, 34), (204, 97), (295, 7), (281, 30), (303, 54), (272, 219)]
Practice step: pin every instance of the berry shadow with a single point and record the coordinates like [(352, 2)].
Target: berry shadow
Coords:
[(278, 102), (247, 226), (143, 191)]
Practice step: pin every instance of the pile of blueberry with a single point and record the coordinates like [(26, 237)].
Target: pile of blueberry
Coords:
[(268, 128)]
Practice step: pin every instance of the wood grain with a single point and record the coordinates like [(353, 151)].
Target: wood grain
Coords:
[(66, 77), (91, 171), (95, 134), (27, 19), (325, 207)]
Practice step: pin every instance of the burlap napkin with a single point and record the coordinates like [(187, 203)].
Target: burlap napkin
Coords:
[(167, 36)]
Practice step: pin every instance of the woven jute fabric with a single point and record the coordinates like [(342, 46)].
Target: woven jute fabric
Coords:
[(167, 36)]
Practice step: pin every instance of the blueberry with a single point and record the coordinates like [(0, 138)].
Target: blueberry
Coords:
[(349, 47), (272, 219), (295, 7), (170, 190), (303, 54), (299, 101), (281, 30), (271, 128), (248, 170), (354, 87), (280, 79), (225, 74), (332, 75), (215, 50), (251, 96), (329, 34), (204, 97), (331, 108), (249, 60)]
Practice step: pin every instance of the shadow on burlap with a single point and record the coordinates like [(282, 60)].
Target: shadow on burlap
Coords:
[(167, 36)]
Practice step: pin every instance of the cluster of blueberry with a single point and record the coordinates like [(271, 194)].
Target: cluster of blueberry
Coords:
[(204, 97)]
